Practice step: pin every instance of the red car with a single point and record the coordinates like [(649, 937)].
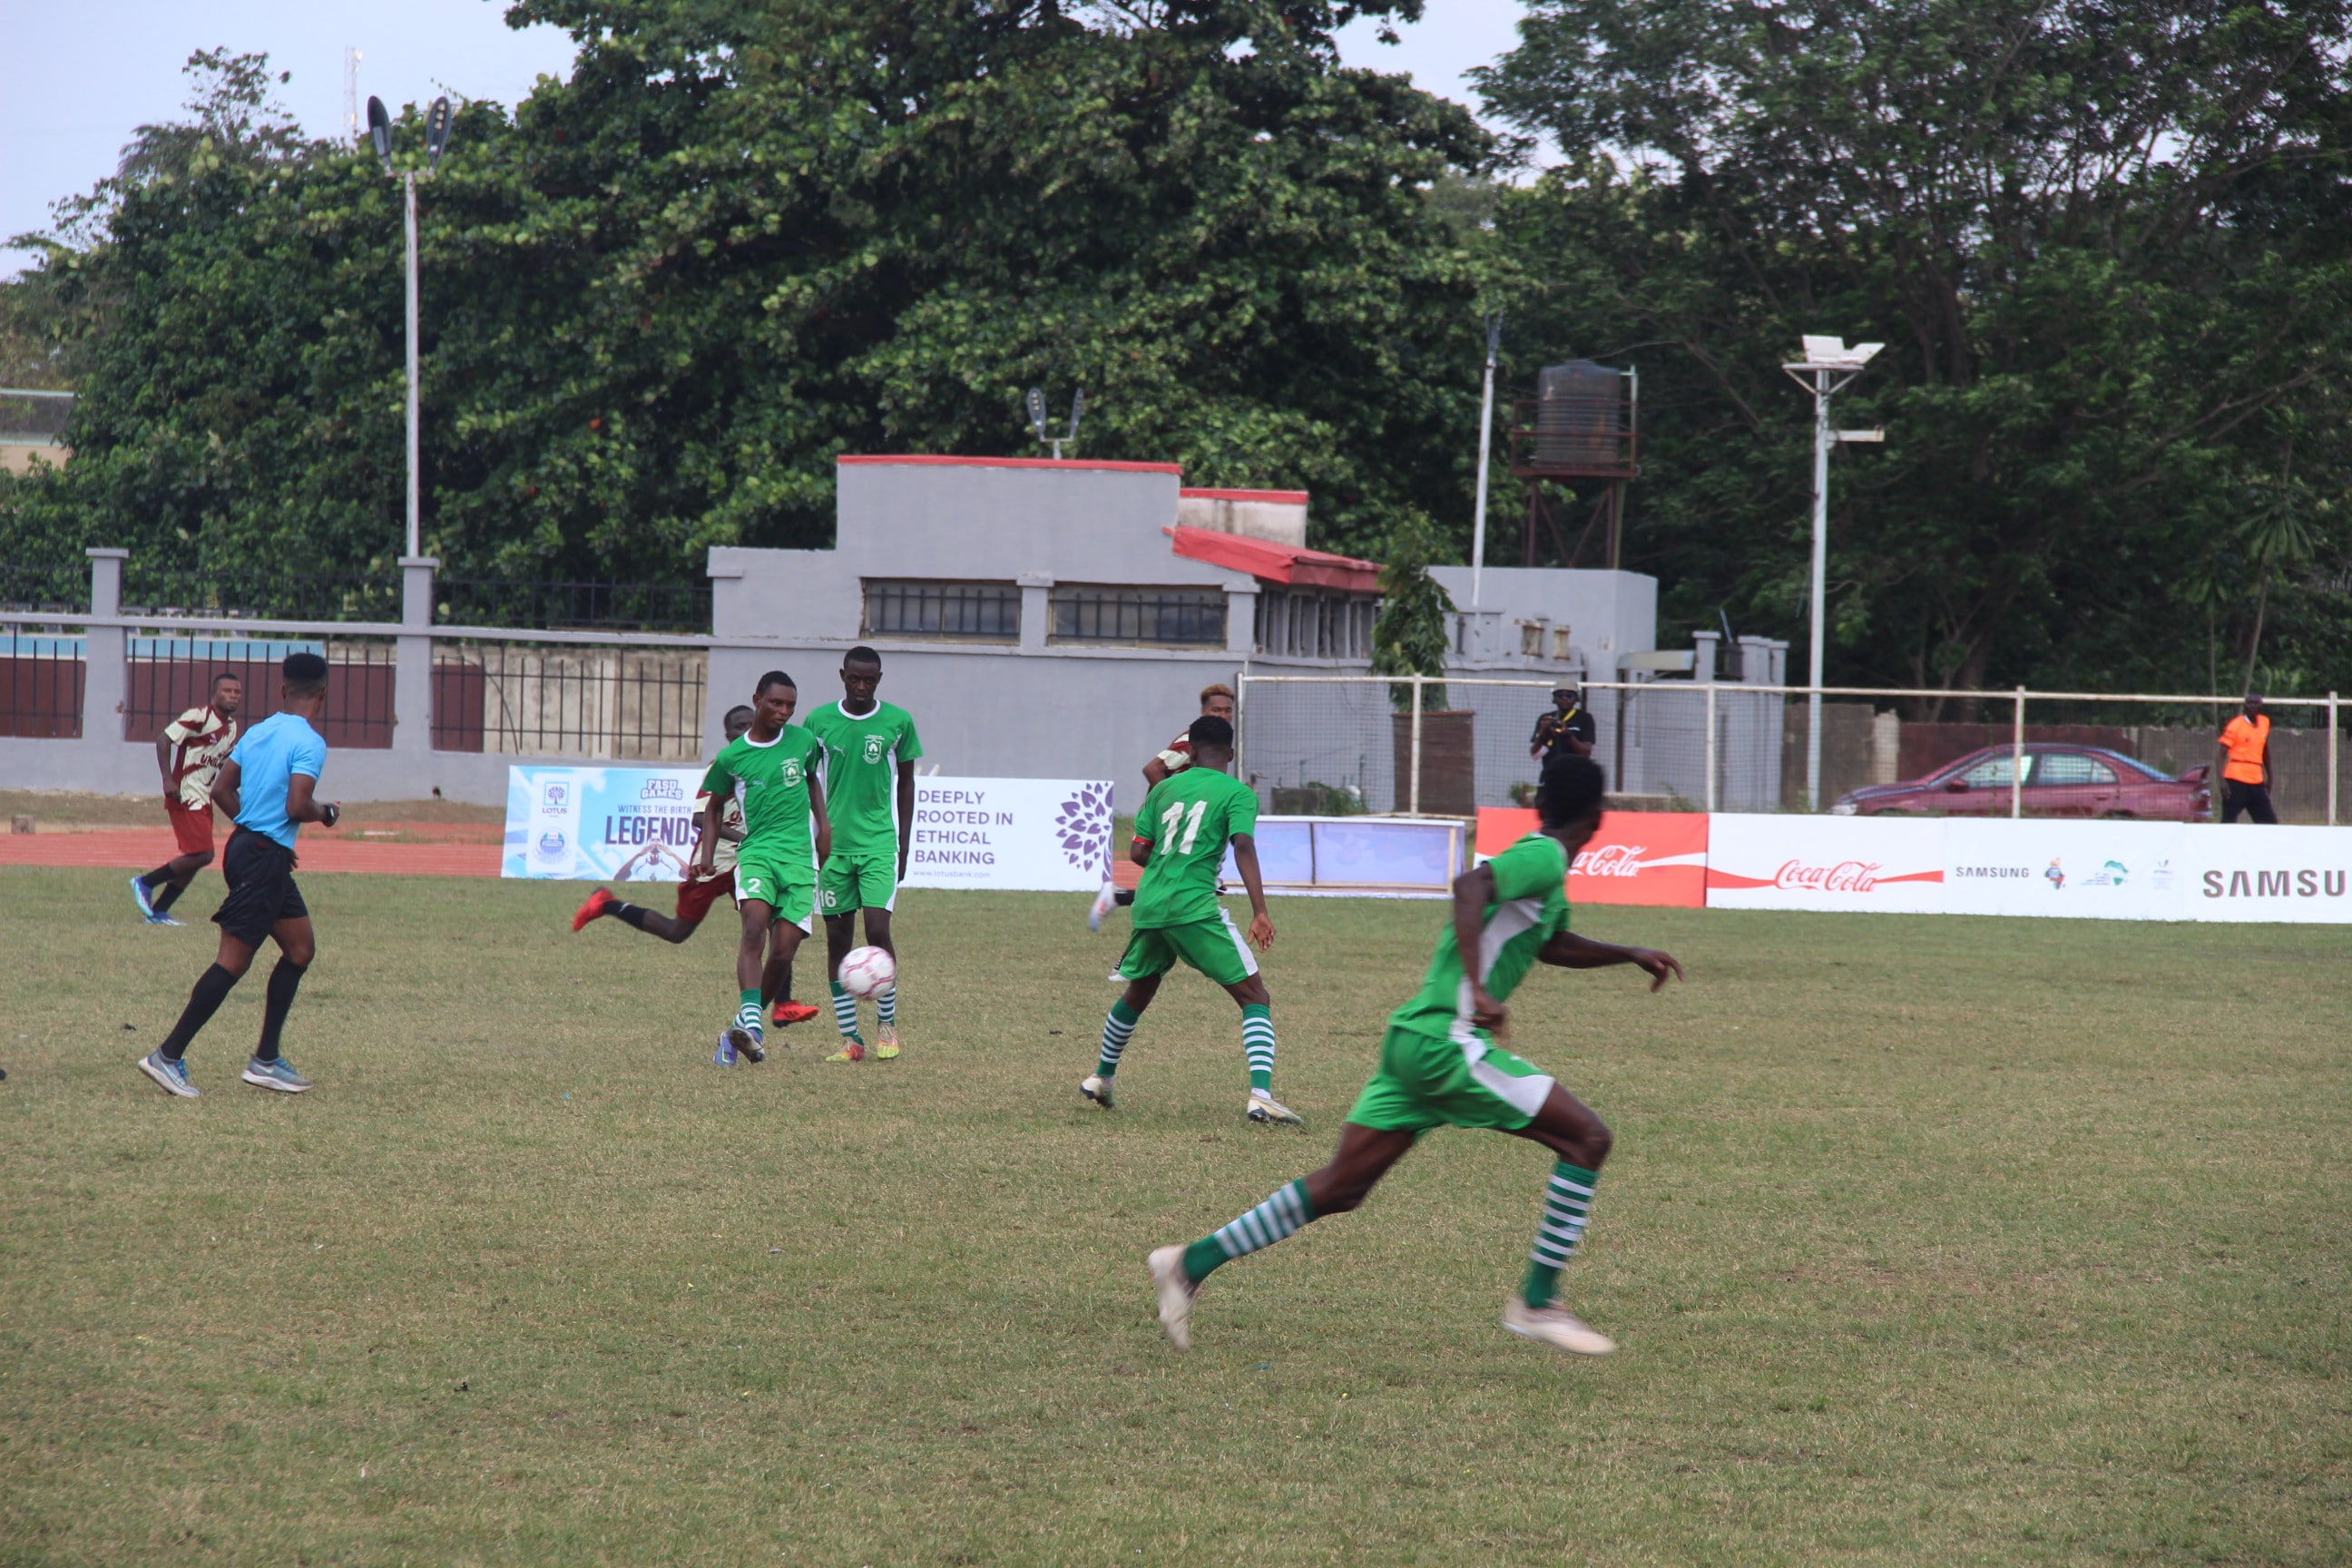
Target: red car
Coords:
[(2060, 781)]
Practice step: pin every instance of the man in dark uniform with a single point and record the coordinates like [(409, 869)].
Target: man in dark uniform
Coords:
[(1568, 724)]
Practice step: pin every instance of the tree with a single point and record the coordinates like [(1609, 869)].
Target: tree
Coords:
[(2104, 245), (745, 237), (1409, 638)]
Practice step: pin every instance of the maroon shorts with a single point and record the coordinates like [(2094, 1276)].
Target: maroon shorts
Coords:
[(695, 898), (192, 828)]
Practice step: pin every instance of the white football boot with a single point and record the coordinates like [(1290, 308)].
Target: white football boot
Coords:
[(1175, 1292), (1096, 1088), (1265, 1109), (1555, 1326)]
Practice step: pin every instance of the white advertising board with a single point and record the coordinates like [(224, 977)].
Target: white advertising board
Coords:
[(1889, 865), (2239, 873), (2086, 869), (588, 823), (1037, 835)]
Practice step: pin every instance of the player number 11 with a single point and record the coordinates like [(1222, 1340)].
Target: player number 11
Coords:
[(1173, 818)]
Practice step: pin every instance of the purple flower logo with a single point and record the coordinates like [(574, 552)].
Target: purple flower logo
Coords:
[(1082, 825)]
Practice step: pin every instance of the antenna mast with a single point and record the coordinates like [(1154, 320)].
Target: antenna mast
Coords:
[(351, 94)]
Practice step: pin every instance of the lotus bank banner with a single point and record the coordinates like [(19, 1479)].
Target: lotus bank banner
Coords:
[(612, 824), (2084, 870)]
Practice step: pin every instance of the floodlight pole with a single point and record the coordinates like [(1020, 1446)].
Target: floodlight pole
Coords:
[(1844, 365), (1485, 445), (415, 540)]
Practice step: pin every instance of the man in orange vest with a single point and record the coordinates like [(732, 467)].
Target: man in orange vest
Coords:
[(2246, 777)]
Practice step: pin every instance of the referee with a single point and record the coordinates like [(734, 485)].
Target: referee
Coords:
[(267, 787)]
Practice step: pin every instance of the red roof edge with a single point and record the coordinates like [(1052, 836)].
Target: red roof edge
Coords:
[(1272, 563), (1280, 498), (920, 461)]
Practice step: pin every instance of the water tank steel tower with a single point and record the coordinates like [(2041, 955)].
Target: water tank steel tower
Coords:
[(1582, 424)]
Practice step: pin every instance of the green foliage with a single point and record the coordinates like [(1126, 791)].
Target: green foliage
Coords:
[(1409, 638), (2105, 249), (744, 238)]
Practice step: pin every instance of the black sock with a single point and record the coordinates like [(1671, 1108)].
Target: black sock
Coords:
[(212, 989), (156, 878), (282, 982), (634, 914), (162, 900)]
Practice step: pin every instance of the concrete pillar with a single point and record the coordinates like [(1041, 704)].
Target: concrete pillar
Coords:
[(1241, 620), (106, 674), (1037, 611), (1703, 644), (412, 679), (719, 685)]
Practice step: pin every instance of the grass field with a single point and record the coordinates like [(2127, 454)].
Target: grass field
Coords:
[(1928, 1241)]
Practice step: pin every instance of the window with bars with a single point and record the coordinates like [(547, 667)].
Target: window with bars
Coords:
[(1169, 618), (952, 612)]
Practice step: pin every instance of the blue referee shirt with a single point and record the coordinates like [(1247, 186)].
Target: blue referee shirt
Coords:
[(268, 756)]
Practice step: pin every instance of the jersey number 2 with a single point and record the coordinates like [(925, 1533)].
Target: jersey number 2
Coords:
[(1174, 818)]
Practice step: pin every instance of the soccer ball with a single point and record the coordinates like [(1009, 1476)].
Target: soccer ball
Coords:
[(867, 971)]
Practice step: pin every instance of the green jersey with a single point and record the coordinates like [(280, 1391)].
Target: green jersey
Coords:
[(862, 754), (1186, 819), (1530, 907), (773, 783)]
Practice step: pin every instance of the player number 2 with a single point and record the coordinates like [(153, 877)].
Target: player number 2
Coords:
[(1174, 818)]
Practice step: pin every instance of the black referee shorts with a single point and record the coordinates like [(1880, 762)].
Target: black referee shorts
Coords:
[(260, 874)]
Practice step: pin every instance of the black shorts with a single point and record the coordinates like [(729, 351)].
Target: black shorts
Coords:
[(260, 874)]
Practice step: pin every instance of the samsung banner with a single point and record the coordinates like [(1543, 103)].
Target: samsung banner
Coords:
[(608, 824)]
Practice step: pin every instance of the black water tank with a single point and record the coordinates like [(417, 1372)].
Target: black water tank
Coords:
[(1581, 416)]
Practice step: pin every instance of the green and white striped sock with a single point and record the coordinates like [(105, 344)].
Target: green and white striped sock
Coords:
[(844, 1012), (747, 1015), (1119, 1029), (885, 1006), (1270, 1222), (1257, 1044), (1567, 1203)]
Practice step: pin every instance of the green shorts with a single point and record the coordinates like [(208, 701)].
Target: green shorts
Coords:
[(787, 886), (1214, 947), (858, 880), (1467, 1082)]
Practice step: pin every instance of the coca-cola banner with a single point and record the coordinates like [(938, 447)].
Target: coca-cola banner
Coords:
[(1637, 858), (1891, 865)]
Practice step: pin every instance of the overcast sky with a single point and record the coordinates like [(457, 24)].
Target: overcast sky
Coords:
[(76, 78)]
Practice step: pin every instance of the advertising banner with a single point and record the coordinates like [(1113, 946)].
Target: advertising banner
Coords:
[(1637, 858), (589, 824), (1891, 864), (604, 824), (1386, 856), (2240, 873), (1039, 834), (2086, 869)]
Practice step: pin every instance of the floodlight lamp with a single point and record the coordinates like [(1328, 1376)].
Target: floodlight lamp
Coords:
[(380, 132), (437, 121), (1078, 406), (1037, 410), (1831, 354)]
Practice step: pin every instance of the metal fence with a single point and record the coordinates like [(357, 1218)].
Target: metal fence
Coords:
[(629, 704), (38, 587), (631, 607), (168, 676), (195, 591), (1336, 742), (41, 683)]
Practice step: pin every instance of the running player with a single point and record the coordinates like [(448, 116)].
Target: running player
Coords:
[(1216, 702), (1179, 841), (773, 770), (190, 752), (268, 787), (695, 893), (1440, 1067), (870, 749)]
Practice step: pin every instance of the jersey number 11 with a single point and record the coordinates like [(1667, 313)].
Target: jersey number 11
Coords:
[(1174, 818)]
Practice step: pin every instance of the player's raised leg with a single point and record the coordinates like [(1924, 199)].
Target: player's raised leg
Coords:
[(1364, 1156), (745, 1036)]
